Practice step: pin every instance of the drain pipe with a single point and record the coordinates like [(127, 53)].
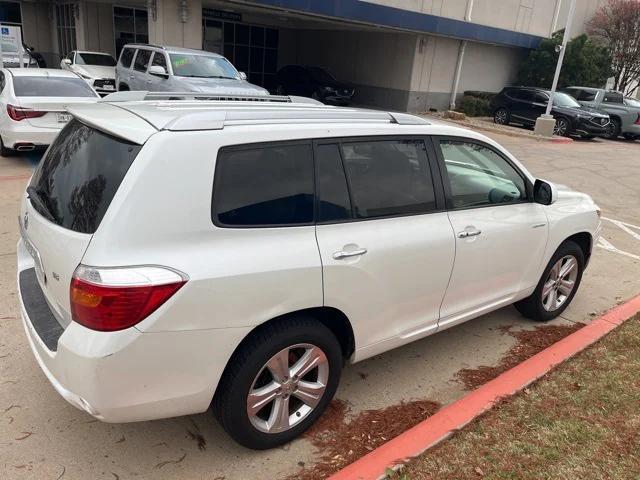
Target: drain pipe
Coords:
[(461, 50)]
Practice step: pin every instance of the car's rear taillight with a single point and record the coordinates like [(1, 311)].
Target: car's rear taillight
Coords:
[(115, 298), (637, 122), (19, 113)]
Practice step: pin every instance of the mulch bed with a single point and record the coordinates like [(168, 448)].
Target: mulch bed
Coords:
[(340, 442), (529, 343)]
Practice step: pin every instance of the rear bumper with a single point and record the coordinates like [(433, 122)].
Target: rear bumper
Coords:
[(128, 375), (22, 132)]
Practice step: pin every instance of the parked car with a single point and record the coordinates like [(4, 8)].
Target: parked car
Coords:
[(624, 112), (524, 105), (33, 105), (299, 246), (173, 69), (314, 82), (98, 69)]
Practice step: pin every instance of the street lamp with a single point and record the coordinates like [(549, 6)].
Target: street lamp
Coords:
[(545, 123)]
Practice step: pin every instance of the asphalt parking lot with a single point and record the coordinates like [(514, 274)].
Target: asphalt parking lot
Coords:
[(41, 436)]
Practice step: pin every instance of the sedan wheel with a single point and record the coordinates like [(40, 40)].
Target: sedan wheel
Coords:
[(560, 283), (288, 388), (561, 128)]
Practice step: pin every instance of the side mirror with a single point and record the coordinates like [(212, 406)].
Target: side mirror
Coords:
[(66, 61), (243, 76), (158, 71), (544, 192)]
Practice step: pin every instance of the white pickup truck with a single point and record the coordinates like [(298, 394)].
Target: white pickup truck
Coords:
[(623, 111)]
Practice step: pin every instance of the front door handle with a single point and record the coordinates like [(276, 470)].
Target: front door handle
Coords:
[(351, 253), (471, 232)]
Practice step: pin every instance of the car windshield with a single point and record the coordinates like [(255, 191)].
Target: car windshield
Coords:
[(564, 100), (320, 75), (632, 102), (95, 59), (51, 86), (202, 66)]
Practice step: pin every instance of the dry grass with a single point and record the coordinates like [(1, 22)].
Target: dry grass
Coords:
[(582, 421)]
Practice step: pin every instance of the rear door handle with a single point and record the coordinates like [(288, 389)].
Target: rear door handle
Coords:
[(346, 254), (469, 233)]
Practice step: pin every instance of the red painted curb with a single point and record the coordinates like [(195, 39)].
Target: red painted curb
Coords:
[(15, 177), (459, 413), (556, 139)]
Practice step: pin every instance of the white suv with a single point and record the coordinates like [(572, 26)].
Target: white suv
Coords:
[(177, 254)]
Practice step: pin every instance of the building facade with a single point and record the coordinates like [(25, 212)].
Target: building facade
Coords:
[(400, 54)]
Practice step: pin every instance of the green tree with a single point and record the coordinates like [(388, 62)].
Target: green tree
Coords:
[(586, 63)]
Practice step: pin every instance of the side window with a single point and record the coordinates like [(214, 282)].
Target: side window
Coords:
[(159, 60), (142, 60), (479, 176), (388, 177), (264, 186), (524, 95), (126, 57), (331, 185), (613, 97), (540, 98), (587, 96)]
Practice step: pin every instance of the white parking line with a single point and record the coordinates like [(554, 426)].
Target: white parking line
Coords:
[(626, 227), (606, 245)]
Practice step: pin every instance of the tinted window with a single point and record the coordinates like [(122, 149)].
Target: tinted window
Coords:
[(142, 60), (540, 98), (268, 185), (332, 191), (126, 57), (526, 95), (389, 177), (159, 60), (51, 87), (479, 176), (586, 95), (80, 175), (613, 97)]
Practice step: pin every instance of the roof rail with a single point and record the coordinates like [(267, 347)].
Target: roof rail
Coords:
[(140, 95)]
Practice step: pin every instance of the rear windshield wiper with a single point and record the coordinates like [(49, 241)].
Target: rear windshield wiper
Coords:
[(37, 199)]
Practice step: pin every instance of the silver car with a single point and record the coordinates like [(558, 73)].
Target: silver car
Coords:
[(172, 69)]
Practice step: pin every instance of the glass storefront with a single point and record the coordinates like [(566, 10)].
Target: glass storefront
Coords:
[(252, 49)]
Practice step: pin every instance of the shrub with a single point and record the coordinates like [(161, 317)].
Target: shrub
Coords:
[(484, 95), (475, 106)]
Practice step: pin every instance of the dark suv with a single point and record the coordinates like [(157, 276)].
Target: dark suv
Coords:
[(314, 82), (524, 105)]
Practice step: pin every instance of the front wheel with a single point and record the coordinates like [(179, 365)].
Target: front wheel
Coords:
[(557, 286), (4, 151), (279, 382), (613, 129), (501, 117), (562, 127)]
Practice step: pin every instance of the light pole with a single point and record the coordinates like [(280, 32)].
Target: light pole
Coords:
[(545, 123)]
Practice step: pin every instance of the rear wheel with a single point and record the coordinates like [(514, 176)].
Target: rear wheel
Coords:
[(613, 130), (557, 286), (501, 116), (4, 151), (278, 382), (562, 127)]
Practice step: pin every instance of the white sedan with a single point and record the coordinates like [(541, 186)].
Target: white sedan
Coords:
[(97, 69), (33, 105)]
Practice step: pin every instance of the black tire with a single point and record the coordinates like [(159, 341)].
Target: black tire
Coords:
[(613, 130), (123, 87), (588, 137), (247, 365), (630, 137), (532, 307), (4, 151), (562, 127), (501, 116)]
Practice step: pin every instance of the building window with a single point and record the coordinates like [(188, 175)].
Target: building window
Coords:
[(252, 49), (130, 25), (10, 13), (66, 27)]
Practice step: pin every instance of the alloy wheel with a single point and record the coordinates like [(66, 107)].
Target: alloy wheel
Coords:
[(560, 283), (500, 117), (288, 388), (561, 128)]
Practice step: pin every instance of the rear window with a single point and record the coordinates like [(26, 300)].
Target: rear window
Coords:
[(264, 186), (80, 174), (51, 87)]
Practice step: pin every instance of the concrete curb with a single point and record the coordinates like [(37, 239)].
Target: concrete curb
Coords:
[(459, 413)]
